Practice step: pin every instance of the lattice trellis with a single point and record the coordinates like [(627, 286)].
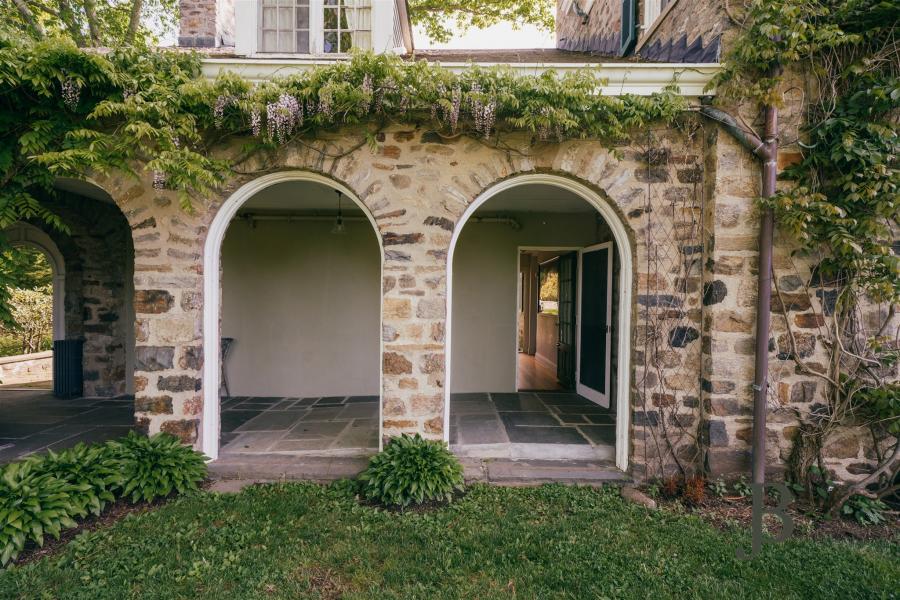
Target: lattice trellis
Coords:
[(668, 333)]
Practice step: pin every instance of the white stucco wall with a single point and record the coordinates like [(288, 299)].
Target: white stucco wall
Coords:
[(303, 306), (484, 292)]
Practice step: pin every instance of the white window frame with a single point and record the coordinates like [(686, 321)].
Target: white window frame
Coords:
[(248, 30), (652, 11)]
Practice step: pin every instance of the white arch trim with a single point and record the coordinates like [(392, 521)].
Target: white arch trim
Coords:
[(25, 234), (626, 275), (212, 296)]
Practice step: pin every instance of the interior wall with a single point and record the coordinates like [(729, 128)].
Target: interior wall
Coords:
[(485, 266), (547, 337), (303, 306)]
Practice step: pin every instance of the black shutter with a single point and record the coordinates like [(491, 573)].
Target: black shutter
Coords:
[(629, 26)]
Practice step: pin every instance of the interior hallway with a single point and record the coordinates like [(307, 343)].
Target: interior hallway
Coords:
[(534, 375)]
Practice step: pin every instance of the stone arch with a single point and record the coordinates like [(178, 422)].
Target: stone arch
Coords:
[(211, 372), (623, 237), (25, 234)]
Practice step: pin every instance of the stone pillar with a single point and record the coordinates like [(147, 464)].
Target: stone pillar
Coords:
[(415, 301), (168, 312), (729, 297), (206, 23)]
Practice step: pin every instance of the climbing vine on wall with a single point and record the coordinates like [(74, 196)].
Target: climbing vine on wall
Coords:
[(840, 202)]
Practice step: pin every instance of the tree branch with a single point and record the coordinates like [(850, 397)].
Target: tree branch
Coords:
[(28, 17)]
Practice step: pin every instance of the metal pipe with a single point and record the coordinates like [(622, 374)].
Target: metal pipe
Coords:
[(768, 154)]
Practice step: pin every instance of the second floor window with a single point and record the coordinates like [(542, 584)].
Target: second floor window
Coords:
[(315, 26)]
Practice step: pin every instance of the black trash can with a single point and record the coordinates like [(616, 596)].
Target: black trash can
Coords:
[(68, 379)]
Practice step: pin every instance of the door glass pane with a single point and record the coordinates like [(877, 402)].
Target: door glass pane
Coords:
[(594, 289)]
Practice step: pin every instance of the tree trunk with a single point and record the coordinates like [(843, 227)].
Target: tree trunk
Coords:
[(90, 11), (67, 16), (134, 21)]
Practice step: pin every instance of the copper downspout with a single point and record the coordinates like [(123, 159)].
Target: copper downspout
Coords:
[(767, 151)]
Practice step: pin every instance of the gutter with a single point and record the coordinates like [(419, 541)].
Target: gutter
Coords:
[(641, 79)]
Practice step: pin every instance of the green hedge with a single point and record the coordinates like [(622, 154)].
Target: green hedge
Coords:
[(44, 494)]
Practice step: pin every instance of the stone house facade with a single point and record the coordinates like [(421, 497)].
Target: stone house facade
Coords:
[(680, 200)]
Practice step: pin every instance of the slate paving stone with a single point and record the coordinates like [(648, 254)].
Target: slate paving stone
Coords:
[(359, 411), (468, 396), (20, 430), (331, 401), (322, 413), (599, 434), (356, 399), (301, 445), (265, 399), (601, 419), (281, 420), (314, 429), (232, 419), (477, 429), (472, 407), (304, 402), (255, 441), (523, 402), (542, 419), (545, 435)]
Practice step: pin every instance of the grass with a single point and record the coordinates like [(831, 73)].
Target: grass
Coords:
[(307, 541)]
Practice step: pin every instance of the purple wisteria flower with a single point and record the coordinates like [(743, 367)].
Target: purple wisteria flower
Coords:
[(71, 93), (282, 117)]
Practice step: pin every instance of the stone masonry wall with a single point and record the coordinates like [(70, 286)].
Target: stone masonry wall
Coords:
[(417, 185), (206, 23), (96, 251)]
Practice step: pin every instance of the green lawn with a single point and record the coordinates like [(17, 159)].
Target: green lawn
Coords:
[(302, 540)]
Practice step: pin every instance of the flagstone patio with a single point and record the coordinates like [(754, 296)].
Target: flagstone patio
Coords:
[(35, 421), (528, 425)]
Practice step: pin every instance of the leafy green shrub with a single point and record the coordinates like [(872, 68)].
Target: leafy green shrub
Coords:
[(865, 511), (91, 471), (156, 466), (32, 505), (412, 470)]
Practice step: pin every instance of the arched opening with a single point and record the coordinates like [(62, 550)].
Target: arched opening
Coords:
[(92, 359), (539, 287), (292, 321), (35, 271)]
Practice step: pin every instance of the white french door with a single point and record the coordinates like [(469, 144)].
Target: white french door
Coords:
[(594, 322)]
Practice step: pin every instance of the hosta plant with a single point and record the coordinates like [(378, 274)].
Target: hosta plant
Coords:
[(154, 467), (91, 471), (32, 505), (412, 470)]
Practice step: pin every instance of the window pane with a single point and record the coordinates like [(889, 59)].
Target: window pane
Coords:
[(302, 17), (346, 42), (331, 42), (269, 41), (285, 41), (270, 18), (362, 40), (331, 18), (331, 2), (344, 24), (303, 42)]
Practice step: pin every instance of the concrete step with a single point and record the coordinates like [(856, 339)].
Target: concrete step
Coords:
[(277, 467)]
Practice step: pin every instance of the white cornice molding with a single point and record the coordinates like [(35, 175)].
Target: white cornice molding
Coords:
[(641, 79)]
